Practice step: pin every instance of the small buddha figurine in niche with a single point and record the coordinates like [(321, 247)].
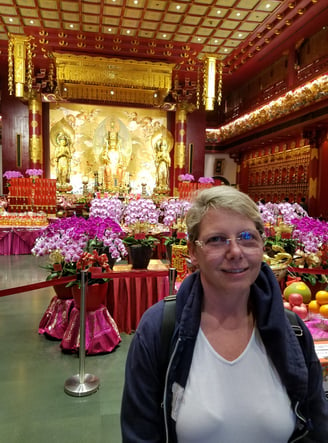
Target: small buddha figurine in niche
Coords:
[(162, 145), (63, 158)]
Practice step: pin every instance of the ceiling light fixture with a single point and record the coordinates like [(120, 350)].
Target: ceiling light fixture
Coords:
[(19, 48), (209, 92)]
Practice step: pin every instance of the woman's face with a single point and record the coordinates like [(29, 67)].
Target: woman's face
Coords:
[(228, 251)]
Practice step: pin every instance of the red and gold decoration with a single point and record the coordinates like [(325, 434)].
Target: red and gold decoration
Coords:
[(179, 254), (28, 194)]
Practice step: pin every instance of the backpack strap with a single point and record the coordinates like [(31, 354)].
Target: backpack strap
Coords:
[(167, 329), (294, 323)]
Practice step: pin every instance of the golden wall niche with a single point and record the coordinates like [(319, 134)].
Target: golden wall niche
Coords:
[(110, 79), (88, 129), (278, 175)]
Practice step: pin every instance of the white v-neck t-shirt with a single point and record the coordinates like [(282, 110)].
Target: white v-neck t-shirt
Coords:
[(240, 401)]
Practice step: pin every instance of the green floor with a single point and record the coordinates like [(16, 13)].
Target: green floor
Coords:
[(33, 371)]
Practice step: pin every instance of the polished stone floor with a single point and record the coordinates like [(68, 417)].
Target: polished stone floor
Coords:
[(33, 370)]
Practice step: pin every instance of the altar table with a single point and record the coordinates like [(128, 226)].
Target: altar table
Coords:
[(17, 240), (131, 292)]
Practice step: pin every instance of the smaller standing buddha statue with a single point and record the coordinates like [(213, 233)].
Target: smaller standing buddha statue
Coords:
[(162, 148), (63, 161)]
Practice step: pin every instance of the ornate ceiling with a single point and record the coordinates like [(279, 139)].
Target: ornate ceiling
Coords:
[(246, 34)]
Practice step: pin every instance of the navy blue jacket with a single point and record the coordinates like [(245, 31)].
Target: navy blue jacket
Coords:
[(146, 403)]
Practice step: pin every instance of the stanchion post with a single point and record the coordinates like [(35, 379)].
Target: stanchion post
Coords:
[(172, 277), (81, 385)]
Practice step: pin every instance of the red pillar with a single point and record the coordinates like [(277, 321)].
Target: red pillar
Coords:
[(35, 133), (179, 146)]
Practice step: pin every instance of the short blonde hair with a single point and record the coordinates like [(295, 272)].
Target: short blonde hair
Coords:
[(221, 197)]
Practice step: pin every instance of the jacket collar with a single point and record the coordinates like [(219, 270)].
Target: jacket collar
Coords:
[(278, 337)]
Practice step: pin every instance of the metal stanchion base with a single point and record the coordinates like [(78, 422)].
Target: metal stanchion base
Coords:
[(74, 387)]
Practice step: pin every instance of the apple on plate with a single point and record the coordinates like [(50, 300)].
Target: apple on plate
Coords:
[(301, 311), (295, 299), (287, 305)]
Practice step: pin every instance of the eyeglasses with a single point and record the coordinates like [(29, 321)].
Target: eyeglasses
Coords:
[(246, 239)]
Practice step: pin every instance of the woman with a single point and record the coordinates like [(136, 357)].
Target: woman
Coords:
[(237, 372)]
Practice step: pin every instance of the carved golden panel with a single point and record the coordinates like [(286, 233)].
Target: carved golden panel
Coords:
[(125, 76)]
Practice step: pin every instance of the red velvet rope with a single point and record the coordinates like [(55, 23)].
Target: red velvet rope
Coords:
[(64, 280), (316, 271)]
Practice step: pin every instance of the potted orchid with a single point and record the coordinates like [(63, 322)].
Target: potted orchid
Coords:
[(186, 178), (12, 174), (206, 180), (290, 231), (140, 219), (312, 251), (34, 172), (68, 240), (107, 207), (173, 215)]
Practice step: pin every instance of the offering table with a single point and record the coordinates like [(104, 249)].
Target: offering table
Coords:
[(132, 291)]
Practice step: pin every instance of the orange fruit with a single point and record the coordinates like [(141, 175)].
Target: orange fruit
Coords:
[(314, 307), (322, 297), (324, 311)]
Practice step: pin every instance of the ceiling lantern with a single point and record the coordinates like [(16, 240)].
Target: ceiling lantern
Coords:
[(212, 87), (19, 49)]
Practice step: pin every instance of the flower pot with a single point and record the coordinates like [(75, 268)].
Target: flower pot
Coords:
[(111, 261), (139, 256), (62, 292), (95, 297)]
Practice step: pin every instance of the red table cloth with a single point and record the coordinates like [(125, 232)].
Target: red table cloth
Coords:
[(131, 292)]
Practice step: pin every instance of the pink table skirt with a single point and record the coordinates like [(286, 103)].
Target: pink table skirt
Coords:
[(17, 241), (55, 320), (101, 333)]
